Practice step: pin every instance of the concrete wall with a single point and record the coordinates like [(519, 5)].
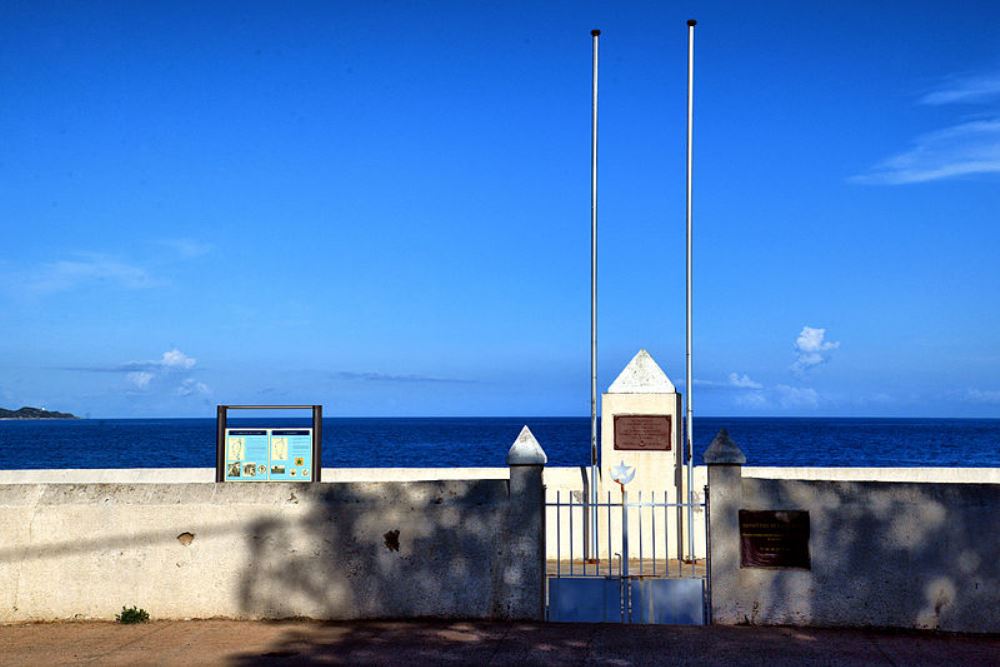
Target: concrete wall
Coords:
[(461, 548), (899, 554), (555, 477), (563, 482)]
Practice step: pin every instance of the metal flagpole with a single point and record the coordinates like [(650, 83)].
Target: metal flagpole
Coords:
[(595, 35), (689, 383)]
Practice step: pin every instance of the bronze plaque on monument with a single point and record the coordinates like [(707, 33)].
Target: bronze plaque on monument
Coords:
[(774, 539), (651, 433)]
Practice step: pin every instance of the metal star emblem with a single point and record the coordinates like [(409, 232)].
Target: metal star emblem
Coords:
[(622, 473)]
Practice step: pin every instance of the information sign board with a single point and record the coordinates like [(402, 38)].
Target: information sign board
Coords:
[(269, 455), (278, 454)]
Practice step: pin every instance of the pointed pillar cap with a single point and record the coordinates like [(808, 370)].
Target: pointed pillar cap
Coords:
[(642, 375), (526, 451), (723, 451)]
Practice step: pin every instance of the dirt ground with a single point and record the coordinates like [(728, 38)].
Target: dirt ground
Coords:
[(413, 643)]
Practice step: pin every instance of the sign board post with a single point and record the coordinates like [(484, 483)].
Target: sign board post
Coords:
[(268, 454)]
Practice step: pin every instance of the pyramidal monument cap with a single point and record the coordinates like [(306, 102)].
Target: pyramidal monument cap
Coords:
[(642, 375), (526, 451)]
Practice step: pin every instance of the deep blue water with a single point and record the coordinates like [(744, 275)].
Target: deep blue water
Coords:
[(452, 442)]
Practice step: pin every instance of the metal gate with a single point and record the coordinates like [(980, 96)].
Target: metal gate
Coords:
[(613, 561)]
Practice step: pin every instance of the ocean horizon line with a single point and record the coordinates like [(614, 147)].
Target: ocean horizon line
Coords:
[(429, 417)]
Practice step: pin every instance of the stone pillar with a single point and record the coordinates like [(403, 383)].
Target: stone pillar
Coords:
[(725, 488), (520, 577), (641, 427)]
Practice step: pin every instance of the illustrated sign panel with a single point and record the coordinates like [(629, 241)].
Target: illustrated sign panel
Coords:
[(643, 432), (269, 455), (774, 538)]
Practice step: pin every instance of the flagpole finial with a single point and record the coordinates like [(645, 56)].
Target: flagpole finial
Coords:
[(692, 23), (595, 33)]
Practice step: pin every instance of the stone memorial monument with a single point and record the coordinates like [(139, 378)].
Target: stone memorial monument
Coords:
[(641, 427)]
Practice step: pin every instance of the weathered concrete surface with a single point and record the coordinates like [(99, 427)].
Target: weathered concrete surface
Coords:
[(565, 481), (526, 450), (567, 478), (642, 375), (952, 475), (331, 551), (464, 643), (908, 555)]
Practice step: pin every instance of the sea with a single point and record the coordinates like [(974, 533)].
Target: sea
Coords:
[(474, 442)]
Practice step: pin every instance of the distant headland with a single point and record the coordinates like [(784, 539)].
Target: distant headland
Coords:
[(34, 413)]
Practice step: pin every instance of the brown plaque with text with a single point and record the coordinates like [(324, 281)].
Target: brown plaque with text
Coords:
[(774, 539), (643, 432)]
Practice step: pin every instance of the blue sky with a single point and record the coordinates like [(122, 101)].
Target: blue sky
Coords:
[(384, 207)]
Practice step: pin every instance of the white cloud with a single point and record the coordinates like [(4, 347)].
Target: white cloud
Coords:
[(811, 346), (375, 376), (965, 90), (732, 381), (191, 387), (140, 379), (176, 359), (752, 399), (797, 397), (743, 382), (187, 248), (990, 397), (141, 374), (87, 269), (968, 146)]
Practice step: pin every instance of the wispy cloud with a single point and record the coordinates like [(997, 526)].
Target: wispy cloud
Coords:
[(811, 348), (370, 376), (797, 397), (754, 395), (191, 387), (172, 359), (187, 248), (965, 90), (139, 379), (732, 381), (752, 399), (176, 359), (156, 374), (969, 146), (743, 382), (84, 270), (989, 397)]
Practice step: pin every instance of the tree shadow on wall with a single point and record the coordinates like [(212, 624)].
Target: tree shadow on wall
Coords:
[(384, 550), (890, 554)]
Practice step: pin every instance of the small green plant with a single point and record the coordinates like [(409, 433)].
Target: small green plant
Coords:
[(133, 615)]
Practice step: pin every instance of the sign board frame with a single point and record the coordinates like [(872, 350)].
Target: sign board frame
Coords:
[(222, 430)]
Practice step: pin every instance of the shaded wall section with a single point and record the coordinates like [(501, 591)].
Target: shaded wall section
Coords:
[(898, 554), (453, 548)]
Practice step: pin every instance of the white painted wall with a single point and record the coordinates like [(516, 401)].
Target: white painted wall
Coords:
[(883, 553), (451, 548), (564, 482)]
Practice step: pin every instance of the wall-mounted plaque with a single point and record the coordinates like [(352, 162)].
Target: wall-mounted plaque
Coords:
[(774, 538), (643, 432)]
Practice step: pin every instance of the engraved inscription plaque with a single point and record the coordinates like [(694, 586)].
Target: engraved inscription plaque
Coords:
[(774, 539), (643, 432)]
